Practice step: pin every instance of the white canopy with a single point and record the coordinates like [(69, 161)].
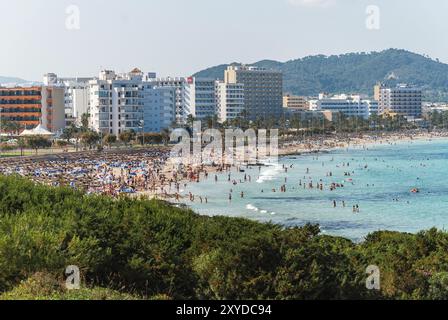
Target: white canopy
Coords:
[(38, 131)]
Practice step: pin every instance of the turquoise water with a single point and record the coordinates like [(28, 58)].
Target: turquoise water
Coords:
[(382, 178)]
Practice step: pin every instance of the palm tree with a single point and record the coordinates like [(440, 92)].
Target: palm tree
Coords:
[(109, 139), (165, 134), (22, 145), (190, 121), (90, 138), (69, 132), (85, 121), (10, 126), (127, 136)]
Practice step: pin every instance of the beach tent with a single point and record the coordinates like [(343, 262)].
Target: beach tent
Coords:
[(38, 131)]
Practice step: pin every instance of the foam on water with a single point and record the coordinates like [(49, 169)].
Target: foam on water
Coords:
[(251, 207), (269, 172), (381, 189)]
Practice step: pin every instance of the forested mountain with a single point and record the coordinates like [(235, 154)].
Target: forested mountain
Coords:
[(356, 72)]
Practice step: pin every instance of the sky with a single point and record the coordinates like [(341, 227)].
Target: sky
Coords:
[(181, 37)]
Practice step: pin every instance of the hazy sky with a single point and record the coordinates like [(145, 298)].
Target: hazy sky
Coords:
[(180, 37)]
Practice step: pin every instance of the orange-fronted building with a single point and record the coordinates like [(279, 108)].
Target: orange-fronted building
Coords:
[(31, 106), (21, 105)]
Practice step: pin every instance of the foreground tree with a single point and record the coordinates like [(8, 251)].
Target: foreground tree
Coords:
[(90, 138), (126, 137), (38, 142), (109, 140)]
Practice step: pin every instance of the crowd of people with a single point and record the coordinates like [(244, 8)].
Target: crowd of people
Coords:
[(111, 173), (149, 172)]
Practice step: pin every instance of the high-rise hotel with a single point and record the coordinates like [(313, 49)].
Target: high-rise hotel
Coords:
[(230, 100), (404, 99), (263, 90), (116, 102), (132, 102)]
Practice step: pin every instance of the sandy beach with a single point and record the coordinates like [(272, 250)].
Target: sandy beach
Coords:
[(151, 173)]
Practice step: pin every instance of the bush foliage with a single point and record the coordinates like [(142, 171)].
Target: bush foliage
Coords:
[(131, 248)]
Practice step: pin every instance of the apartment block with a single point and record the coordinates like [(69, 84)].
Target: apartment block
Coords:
[(295, 102), (183, 94), (350, 106), (31, 106), (230, 100), (159, 108), (76, 97), (404, 100), (263, 90), (203, 98), (132, 101), (116, 102)]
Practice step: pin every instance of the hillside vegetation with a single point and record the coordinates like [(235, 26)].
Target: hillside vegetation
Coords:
[(356, 73)]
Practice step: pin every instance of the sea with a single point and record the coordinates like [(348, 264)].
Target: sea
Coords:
[(401, 186)]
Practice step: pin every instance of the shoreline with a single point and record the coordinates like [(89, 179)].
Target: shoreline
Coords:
[(150, 173), (336, 143), (257, 205), (317, 145)]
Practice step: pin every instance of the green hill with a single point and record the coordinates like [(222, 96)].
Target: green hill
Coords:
[(356, 73)]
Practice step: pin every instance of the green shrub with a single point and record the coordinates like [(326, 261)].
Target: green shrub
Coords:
[(150, 249)]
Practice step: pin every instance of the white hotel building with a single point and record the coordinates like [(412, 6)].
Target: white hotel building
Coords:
[(132, 101), (183, 94), (116, 102), (76, 97), (404, 100), (159, 108), (350, 106), (230, 100), (203, 102)]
